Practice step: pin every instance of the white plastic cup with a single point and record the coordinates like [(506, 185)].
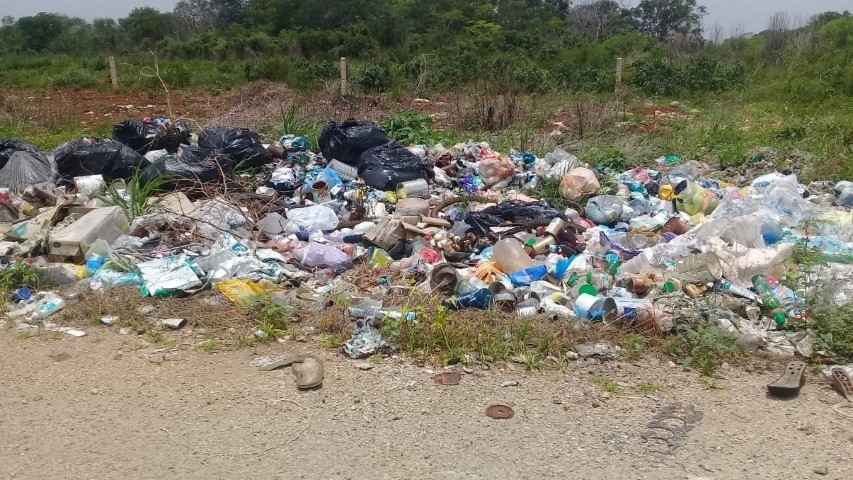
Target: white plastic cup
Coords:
[(584, 304)]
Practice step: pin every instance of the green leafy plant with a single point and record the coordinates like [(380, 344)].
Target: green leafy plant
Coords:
[(138, 198), (18, 274), (408, 127), (271, 317), (634, 343), (704, 345), (374, 79), (834, 329)]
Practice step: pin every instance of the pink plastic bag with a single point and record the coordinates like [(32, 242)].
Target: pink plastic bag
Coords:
[(578, 183)]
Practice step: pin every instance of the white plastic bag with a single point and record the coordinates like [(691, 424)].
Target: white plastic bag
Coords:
[(316, 217)]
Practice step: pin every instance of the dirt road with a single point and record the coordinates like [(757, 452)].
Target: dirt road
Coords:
[(100, 407)]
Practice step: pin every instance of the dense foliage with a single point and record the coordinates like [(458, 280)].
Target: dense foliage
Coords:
[(529, 46)]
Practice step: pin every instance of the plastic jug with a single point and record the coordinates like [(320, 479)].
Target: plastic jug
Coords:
[(510, 256), (692, 198)]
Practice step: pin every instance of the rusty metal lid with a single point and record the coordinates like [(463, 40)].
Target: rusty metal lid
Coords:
[(499, 412)]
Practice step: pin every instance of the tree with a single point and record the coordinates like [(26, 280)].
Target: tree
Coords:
[(598, 19), (38, 31), (147, 23), (662, 18), (7, 21)]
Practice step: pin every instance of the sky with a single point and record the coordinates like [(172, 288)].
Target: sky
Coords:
[(731, 15)]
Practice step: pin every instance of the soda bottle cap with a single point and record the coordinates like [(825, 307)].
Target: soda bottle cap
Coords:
[(530, 242), (588, 289)]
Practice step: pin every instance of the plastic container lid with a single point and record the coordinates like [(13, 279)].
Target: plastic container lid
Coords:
[(588, 289)]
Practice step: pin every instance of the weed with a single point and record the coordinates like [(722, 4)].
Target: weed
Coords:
[(271, 317), (705, 345), (834, 329), (209, 345), (19, 274), (332, 341), (159, 338), (532, 361), (138, 197), (408, 127), (711, 384), (634, 343), (649, 387), (607, 384), (246, 341), (75, 79)]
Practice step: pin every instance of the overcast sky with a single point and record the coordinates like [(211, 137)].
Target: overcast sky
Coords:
[(750, 15)]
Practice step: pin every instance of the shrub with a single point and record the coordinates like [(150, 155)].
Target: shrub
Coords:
[(75, 79), (374, 79), (273, 69)]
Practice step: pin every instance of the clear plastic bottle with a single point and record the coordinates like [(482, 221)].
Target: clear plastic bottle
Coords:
[(769, 300), (511, 256), (49, 305)]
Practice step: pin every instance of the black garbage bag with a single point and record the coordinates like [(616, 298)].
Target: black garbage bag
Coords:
[(146, 135), (386, 166), (89, 156), (241, 144), (8, 146), (26, 168), (192, 168), (346, 141), (510, 211)]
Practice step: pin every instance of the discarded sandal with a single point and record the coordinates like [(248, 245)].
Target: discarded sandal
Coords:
[(789, 384), (841, 381), (308, 371)]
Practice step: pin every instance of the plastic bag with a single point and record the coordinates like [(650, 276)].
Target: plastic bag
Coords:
[(313, 218), (8, 146), (145, 135), (242, 292), (26, 168), (511, 211), (605, 209), (241, 144), (88, 156), (386, 166), (346, 141), (194, 167), (578, 183), (319, 255), (496, 168)]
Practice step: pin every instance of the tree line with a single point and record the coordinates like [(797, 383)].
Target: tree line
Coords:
[(530, 45)]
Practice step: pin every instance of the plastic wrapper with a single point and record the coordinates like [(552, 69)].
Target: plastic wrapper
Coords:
[(319, 255), (192, 168), (386, 166), (578, 183), (166, 276), (26, 168), (243, 292), (241, 144), (346, 141), (496, 168), (512, 211), (366, 340), (154, 134), (605, 209), (313, 218), (87, 156)]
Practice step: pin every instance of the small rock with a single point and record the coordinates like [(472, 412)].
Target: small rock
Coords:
[(117, 356), (749, 368), (124, 331), (596, 404), (485, 367), (603, 350), (808, 429), (25, 401), (821, 470), (557, 401), (686, 369), (364, 366), (748, 343), (145, 310), (301, 338), (706, 468), (467, 370), (572, 355), (93, 391), (605, 395), (356, 401), (671, 364), (510, 383)]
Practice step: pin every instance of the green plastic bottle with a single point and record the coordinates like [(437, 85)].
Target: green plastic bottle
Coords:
[(769, 300)]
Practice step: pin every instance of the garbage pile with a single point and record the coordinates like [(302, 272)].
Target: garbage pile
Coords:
[(647, 247)]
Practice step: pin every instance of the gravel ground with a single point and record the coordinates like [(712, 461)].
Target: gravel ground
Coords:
[(107, 406)]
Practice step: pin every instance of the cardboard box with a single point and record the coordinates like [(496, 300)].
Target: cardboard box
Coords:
[(107, 223)]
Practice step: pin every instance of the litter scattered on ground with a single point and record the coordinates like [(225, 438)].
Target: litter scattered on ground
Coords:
[(175, 212)]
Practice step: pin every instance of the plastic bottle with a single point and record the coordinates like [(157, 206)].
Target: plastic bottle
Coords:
[(49, 305), (511, 256), (769, 300), (727, 286)]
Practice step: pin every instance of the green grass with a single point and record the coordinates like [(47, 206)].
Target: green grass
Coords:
[(607, 384)]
